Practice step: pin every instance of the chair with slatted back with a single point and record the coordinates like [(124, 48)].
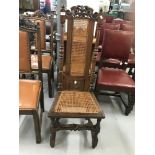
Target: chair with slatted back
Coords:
[(30, 90), (116, 45), (46, 47), (76, 76)]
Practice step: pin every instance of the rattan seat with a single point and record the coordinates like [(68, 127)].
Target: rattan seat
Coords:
[(77, 102)]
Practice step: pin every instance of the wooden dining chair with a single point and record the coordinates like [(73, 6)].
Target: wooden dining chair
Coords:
[(116, 45), (30, 90), (76, 76), (47, 48)]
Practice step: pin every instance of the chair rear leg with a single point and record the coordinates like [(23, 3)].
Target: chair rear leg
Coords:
[(49, 84)]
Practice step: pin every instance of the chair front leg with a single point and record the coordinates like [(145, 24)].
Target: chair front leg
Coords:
[(94, 132), (37, 126), (53, 132), (131, 102)]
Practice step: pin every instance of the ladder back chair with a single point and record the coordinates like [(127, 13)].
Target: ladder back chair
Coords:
[(30, 90), (76, 76)]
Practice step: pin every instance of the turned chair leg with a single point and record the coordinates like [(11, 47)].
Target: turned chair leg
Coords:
[(37, 126), (94, 132), (53, 132)]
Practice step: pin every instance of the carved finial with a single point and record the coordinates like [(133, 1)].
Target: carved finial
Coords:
[(63, 8)]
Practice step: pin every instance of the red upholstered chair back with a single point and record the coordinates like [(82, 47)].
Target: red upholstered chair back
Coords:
[(117, 44), (121, 22), (109, 26), (128, 27), (109, 19)]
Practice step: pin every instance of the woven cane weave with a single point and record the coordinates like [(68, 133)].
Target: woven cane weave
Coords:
[(79, 47), (76, 102)]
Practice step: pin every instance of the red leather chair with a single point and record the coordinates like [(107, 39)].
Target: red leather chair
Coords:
[(116, 45)]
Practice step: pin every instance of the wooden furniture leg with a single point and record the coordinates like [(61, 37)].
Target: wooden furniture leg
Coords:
[(37, 126), (53, 133), (94, 132), (131, 102), (49, 84)]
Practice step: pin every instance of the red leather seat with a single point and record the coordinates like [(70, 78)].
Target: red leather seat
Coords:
[(107, 62), (115, 79)]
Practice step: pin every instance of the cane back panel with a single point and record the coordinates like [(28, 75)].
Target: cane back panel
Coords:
[(78, 52), (24, 52)]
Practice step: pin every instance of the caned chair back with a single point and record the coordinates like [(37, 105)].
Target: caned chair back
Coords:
[(24, 52), (27, 29), (80, 28), (40, 18)]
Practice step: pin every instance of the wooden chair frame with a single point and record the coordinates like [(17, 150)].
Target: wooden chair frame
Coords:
[(39, 15), (29, 27), (67, 81)]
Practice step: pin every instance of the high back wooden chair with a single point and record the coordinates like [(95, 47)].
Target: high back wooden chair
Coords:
[(116, 45), (76, 76), (46, 47), (30, 90)]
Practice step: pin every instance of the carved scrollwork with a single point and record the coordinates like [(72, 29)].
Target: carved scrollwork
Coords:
[(81, 11), (27, 24), (39, 14)]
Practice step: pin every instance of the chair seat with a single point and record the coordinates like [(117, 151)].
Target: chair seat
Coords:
[(115, 79), (29, 92), (46, 61), (77, 102)]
